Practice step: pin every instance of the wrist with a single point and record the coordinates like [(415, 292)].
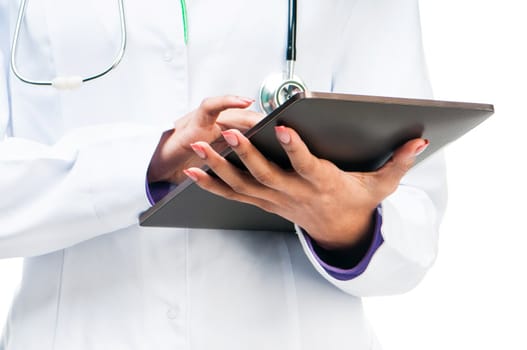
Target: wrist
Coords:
[(168, 160), (347, 256), (357, 232)]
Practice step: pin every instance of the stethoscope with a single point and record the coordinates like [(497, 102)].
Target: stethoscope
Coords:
[(280, 87), (65, 82), (275, 90)]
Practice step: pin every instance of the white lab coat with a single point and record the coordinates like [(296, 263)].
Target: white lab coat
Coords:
[(73, 164)]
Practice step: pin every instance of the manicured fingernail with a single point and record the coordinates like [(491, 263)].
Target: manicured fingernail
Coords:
[(190, 174), (199, 150), (245, 99), (231, 138), (282, 134), (421, 148)]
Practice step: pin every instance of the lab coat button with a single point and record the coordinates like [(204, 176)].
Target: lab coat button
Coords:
[(172, 313), (168, 56)]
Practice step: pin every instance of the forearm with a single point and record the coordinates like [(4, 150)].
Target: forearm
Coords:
[(90, 183)]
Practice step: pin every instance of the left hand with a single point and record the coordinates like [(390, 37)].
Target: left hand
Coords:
[(335, 207)]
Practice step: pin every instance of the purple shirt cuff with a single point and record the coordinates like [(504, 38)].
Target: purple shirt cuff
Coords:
[(357, 270), (156, 191)]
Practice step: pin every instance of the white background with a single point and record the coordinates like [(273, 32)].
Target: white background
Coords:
[(475, 295)]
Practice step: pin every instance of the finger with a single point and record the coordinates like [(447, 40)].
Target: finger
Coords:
[(211, 107), (240, 181), (389, 176), (263, 171), (217, 187), (238, 119), (303, 161)]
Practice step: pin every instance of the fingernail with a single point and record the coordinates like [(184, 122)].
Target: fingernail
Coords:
[(421, 148), (231, 138), (282, 134), (199, 150), (190, 174), (245, 99)]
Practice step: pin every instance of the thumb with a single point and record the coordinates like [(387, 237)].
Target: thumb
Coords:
[(211, 107), (389, 176)]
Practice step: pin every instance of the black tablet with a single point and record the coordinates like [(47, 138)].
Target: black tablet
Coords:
[(357, 133)]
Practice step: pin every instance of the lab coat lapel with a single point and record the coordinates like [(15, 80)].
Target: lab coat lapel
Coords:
[(84, 35)]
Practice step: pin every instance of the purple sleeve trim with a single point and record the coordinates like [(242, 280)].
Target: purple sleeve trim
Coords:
[(156, 191), (348, 274)]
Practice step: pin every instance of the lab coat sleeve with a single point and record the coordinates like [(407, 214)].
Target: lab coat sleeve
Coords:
[(382, 55), (91, 182)]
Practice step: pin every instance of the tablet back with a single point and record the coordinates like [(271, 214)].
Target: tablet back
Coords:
[(357, 133)]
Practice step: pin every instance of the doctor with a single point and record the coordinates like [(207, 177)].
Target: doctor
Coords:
[(74, 164)]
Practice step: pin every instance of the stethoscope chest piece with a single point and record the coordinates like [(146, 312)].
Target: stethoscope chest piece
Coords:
[(277, 89)]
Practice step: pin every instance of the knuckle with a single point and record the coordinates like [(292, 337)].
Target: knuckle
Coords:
[(304, 167), (214, 164), (240, 187), (242, 153), (267, 206), (396, 168), (265, 178), (210, 185), (230, 195), (403, 167), (205, 103)]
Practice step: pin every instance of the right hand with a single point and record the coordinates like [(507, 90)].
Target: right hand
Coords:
[(174, 154)]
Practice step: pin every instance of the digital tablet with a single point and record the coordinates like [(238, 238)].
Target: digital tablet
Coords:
[(357, 133)]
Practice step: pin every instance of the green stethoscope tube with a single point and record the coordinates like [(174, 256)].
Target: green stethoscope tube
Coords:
[(71, 82), (185, 20)]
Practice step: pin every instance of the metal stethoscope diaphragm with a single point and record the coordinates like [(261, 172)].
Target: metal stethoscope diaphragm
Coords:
[(279, 87), (275, 90)]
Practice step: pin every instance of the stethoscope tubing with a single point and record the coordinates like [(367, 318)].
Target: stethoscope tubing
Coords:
[(291, 32), (16, 36), (274, 91)]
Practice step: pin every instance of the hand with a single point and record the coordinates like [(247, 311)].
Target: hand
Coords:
[(173, 153), (335, 207)]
